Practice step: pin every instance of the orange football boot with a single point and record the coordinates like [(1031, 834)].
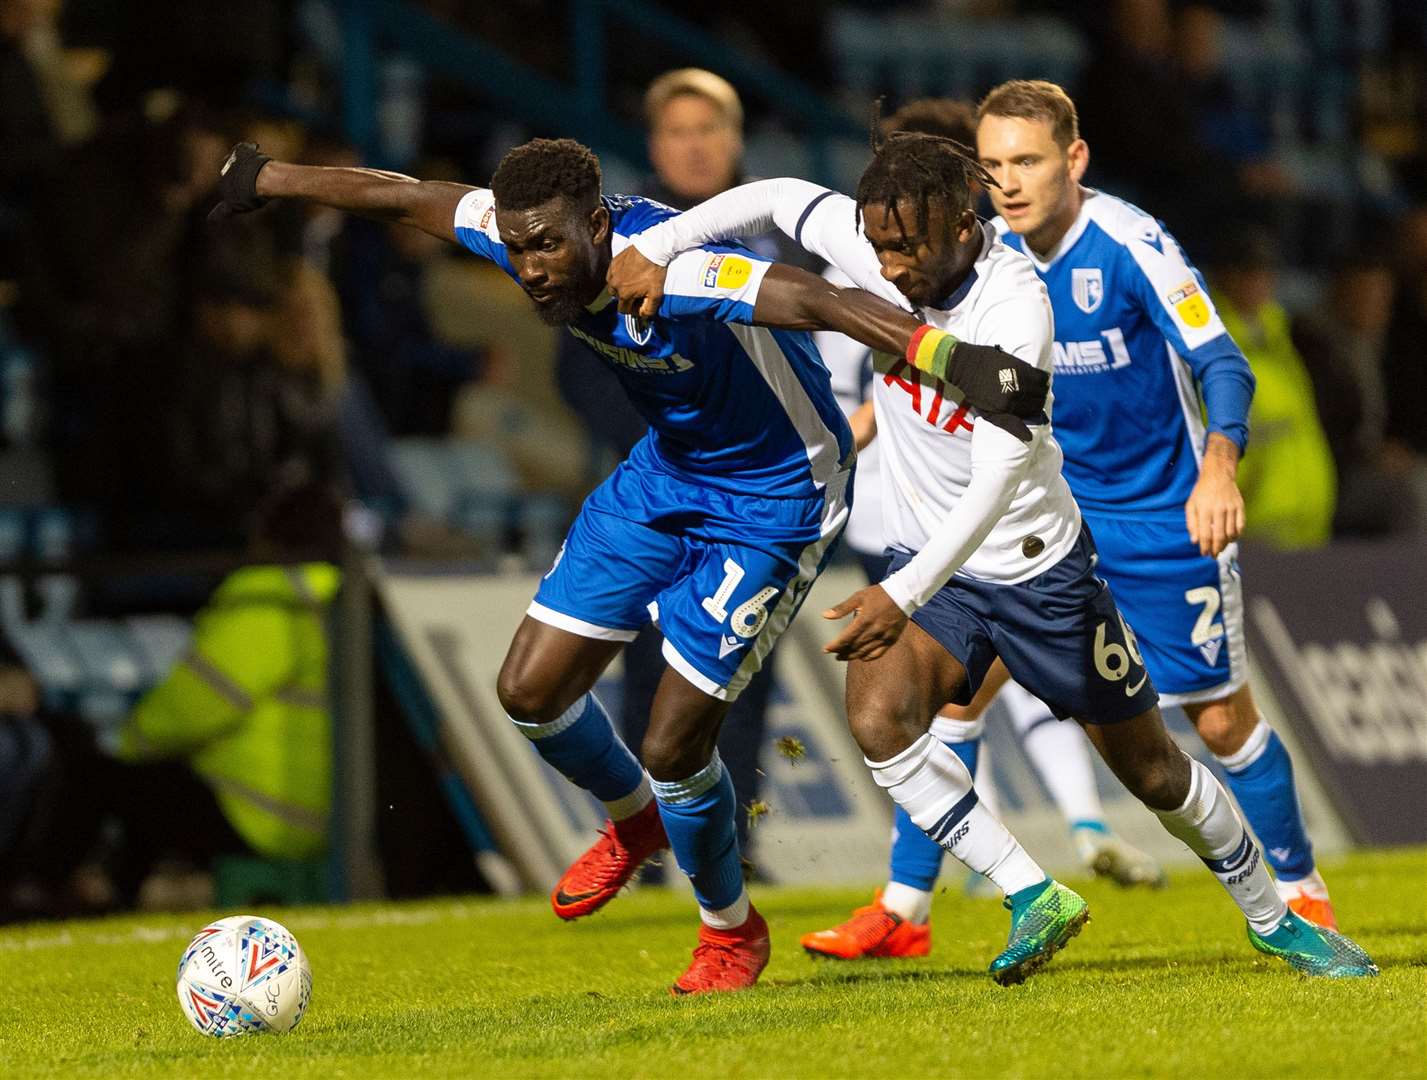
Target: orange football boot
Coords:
[(1316, 909), (726, 959), (872, 931), (596, 876)]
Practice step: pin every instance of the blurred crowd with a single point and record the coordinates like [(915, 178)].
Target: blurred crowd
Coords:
[(166, 386)]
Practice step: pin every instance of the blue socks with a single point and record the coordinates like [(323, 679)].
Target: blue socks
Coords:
[(916, 857), (1261, 777), (581, 743), (698, 815)]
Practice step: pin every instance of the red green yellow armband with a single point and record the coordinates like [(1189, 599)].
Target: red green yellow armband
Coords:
[(930, 351)]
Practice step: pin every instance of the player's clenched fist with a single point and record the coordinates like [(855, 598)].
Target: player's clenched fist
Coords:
[(238, 183), (636, 282)]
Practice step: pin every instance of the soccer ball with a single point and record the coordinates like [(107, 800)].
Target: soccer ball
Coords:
[(242, 975)]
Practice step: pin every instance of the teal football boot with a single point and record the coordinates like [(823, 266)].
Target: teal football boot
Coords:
[(1314, 950), (1039, 930)]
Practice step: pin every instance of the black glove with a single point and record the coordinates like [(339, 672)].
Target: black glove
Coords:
[(991, 380), (238, 183)]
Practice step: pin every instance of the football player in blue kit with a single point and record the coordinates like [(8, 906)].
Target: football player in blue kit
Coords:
[(1138, 347), (714, 526)]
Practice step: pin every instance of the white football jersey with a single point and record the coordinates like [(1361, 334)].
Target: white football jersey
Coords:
[(1021, 518)]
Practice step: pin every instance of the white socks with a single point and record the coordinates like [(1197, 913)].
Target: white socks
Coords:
[(931, 784), (631, 804), (908, 901), (1312, 886), (1208, 824), (729, 918)]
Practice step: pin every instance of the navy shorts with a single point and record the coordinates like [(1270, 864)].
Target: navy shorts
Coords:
[(1060, 635)]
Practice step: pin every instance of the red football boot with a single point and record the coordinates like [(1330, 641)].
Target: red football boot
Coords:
[(872, 931), (596, 876), (726, 959)]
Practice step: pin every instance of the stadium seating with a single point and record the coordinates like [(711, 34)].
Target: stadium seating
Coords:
[(919, 55)]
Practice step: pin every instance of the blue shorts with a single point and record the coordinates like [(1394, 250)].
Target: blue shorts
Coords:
[(1059, 633), (722, 575), (1187, 609)]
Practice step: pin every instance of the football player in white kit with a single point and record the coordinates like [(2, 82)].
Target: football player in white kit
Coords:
[(1163, 504), (989, 553), (897, 923)]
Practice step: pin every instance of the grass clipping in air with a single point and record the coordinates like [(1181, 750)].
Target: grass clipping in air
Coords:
[(792, 748)]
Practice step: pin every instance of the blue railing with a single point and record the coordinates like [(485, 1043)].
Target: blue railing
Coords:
[(579, 108)]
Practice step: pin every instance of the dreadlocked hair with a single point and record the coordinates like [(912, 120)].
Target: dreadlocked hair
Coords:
[(920, 167), (544, 169)]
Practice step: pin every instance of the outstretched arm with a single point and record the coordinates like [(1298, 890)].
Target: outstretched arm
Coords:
[(821, 221), (992, 380), (818, 219), (250, 179)]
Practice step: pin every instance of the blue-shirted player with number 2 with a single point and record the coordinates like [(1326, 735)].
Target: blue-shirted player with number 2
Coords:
[(1138, 344), (714, 526)]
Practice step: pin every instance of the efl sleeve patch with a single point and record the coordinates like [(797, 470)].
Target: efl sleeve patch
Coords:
[(476, 230), (1173, 295), (1190, 304), (722, 270), (720, 284), (476, 212)]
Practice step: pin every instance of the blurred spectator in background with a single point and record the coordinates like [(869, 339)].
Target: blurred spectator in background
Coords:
[(232, 752), (412, 372), (26, 756), (229, 754), (695, 123), (695, 127), (1239, 137), (1287, 473), (108, 262), (45, 106), (1405, 362), (1155, 156), (1341, 341), (49, 819), (261, 373), (105, 290)]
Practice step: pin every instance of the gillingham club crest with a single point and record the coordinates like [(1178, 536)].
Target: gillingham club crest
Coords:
[(1087, 288)]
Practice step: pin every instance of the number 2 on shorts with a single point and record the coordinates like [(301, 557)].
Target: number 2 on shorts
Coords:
[(1205, 628)]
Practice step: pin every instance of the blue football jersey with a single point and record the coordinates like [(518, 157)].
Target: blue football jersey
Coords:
[(1136, 341), (738, 407)]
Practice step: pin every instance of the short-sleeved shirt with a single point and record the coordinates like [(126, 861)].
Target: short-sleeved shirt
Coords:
[(730, 405), (1134, 330)]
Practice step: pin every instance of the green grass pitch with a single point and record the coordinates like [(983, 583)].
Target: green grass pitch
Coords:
[(1160, 984)]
